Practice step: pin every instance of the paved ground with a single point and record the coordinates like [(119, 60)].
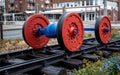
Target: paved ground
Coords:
[(15, 31), (12, 31), (12, 27), (12, 34)]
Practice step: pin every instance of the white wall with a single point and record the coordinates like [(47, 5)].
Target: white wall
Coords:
[(98, 2)]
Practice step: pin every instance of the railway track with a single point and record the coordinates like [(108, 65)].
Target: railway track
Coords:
[(68, 54), (20, 62)]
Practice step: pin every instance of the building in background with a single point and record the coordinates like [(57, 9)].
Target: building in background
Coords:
[(2, 9), (19, 10), (17, 6), (2, 5), (88, 9), (118, 1)]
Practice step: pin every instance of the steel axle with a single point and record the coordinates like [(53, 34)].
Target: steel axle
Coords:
[(50, 30)]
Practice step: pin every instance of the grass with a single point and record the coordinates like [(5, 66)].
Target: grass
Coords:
[(115, 34), (7, 45)]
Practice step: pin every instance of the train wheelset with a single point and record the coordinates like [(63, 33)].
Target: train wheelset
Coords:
[(69, 31)]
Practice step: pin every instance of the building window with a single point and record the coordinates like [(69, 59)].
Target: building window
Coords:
[(79, 3), (54, 5), (76, 4), (90, 18), (60, 4), (87, 2), (63, 4), (12, 4), (57, 5), (1, 8), (92, 15), (67, 5), (1, 0), (83, 17), (87, 17), (11, 1), (91, 2), (83, 3)]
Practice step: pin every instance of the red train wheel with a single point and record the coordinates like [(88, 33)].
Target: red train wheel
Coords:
[(101, 34), (70, 31), (30, 29)]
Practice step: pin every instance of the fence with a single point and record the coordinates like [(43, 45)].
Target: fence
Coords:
[(1, 33), (13, 22)]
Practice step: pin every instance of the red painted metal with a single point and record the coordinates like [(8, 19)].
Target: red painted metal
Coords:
[(104, 36), (30, 29), (70, 31)]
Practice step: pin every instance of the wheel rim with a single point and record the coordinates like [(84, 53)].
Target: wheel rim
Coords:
[(30, 29), (70, 32)]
